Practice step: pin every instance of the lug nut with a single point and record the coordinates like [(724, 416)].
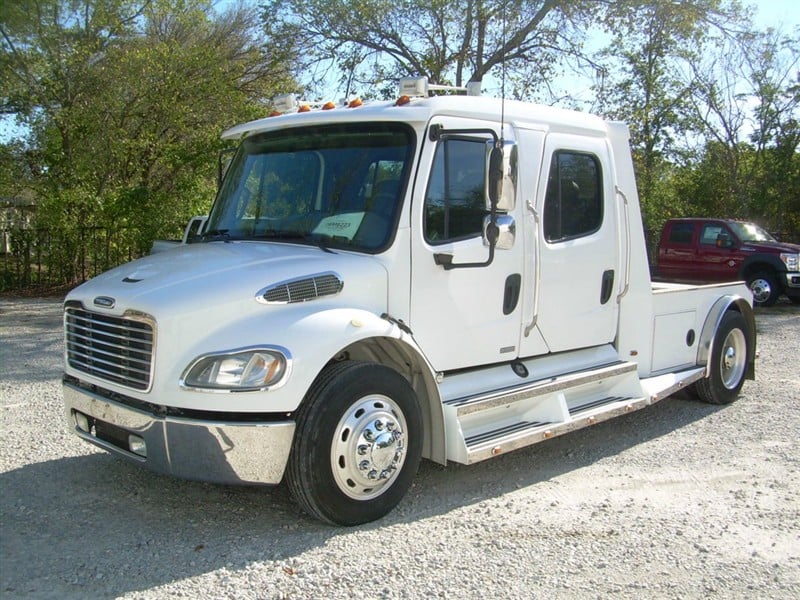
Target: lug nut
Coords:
[(368, 435), (363, 465), (362, 449), (372, 475), (378, 425)]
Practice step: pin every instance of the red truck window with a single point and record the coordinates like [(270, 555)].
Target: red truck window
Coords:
[(711, 233), (681, 233)]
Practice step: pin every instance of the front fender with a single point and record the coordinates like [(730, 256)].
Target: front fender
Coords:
[(313, 338)]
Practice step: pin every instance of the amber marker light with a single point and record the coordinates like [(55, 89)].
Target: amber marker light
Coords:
[(355, 103), (275, 113), (304, 108), (402, 100), (329, 106)]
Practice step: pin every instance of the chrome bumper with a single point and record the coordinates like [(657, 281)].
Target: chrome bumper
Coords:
[(215, 451), (792, 280)]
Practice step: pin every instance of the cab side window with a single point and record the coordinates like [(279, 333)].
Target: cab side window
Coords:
[(573, 205), (454, 202), (712, 233), (681, 233)]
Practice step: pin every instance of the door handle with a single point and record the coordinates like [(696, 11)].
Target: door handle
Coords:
[(607, 286)]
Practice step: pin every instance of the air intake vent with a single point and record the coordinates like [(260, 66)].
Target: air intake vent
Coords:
[(117, 349), (302, 290)]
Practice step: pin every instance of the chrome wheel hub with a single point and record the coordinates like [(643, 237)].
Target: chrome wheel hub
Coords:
[(369, 447), (761, 290), (733, 358)]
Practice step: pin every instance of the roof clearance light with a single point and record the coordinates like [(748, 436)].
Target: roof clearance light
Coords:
[(355, 103), (402, 100), (284, 103), (304, 108), (329, 106), (413, 87)]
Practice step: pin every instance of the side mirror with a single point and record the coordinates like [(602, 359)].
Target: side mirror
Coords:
[(724, 241), (501, 180)]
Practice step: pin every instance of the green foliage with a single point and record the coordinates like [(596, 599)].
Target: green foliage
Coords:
[(124, 102)]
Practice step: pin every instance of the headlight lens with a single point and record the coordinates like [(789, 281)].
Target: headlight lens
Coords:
[(251, 369), (792, 261)]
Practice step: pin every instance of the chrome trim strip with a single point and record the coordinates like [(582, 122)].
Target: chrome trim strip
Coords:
[(494, 399)]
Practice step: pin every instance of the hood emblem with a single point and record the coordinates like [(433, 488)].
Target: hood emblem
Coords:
[(104, 302)]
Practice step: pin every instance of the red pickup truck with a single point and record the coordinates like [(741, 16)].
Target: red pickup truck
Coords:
[(714, 250)]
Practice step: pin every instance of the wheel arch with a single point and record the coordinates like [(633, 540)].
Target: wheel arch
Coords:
[(402, 356), (768, 263), (714, 318)]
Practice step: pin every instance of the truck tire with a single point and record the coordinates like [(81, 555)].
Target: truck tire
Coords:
[(357, 444), (728, 361), (764, 287)]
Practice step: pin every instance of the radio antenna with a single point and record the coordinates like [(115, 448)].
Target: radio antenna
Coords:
[(503, 77)]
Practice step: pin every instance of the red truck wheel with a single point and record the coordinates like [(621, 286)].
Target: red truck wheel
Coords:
[(765, 289)]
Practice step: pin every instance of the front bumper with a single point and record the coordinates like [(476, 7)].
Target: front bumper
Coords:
[(792, 281), (204, 450)]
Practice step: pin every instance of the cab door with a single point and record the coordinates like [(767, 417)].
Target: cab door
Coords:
[(462, 316), (580, 266)]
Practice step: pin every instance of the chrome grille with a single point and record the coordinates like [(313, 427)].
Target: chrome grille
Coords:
[(303, 289), (117, 349)]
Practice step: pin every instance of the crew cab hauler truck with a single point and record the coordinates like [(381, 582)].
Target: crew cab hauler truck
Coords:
[(449, 277)]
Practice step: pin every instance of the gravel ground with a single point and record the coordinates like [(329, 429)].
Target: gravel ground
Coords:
[(679, 500)]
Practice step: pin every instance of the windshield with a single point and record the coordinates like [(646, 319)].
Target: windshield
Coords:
[(748, 232), (337, 186)]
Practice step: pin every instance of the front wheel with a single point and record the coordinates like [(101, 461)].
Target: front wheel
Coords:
[(357, 444), (765, 289), (728, 361)]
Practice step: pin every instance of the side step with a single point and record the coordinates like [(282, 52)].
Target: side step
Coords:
[(486, 424)]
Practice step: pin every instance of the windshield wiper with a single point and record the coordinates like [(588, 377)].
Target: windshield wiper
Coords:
[(276, 234), (215, 235)]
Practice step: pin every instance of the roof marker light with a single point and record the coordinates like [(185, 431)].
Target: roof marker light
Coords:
[(304, 108), (329, 106), (355, 103), (284, 103), (418, 87)]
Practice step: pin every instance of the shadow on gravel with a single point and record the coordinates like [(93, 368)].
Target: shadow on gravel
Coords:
[(95, 526)]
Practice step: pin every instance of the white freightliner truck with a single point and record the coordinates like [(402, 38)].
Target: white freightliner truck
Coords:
[(448, 277)]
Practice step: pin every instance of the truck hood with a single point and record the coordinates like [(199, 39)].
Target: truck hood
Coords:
[(771, 247), (227, 274)]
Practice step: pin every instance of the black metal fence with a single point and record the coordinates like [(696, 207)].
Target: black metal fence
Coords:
[(37, 261)]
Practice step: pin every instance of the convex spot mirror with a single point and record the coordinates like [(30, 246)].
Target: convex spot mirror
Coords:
[(501, 180)]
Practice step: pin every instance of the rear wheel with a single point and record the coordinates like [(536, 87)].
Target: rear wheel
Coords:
[(765, 289), (728, 361), (357, 444)]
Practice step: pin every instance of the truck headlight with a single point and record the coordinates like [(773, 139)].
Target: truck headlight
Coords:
[(239, 370), (792, 261)]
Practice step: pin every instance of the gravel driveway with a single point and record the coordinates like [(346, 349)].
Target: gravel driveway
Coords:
[(679, 500)]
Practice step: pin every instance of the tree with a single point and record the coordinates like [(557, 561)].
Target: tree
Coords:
[(654, 46), (124, 102), (371, 42)]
